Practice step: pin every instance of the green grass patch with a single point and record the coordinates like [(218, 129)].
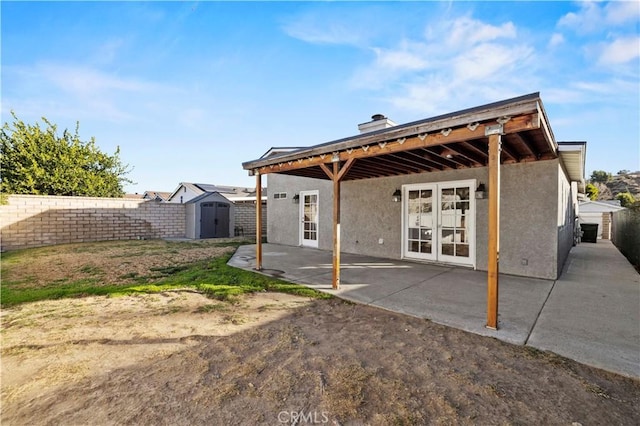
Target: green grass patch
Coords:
[(212, 277)]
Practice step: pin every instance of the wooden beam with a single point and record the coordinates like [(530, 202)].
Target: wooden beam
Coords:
[(494, 231), (258, 222), (326, 170), (374, 149), (515, 157), (345, 168), (335, 283), (526, 144), (461, 151)]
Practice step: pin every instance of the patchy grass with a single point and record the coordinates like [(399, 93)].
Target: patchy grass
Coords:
[(211, 276)]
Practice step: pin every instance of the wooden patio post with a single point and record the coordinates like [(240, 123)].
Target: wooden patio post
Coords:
[(494, 230), (258, 221), (336, 226)]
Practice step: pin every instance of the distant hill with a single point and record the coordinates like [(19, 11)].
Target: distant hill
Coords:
[(620, 183)]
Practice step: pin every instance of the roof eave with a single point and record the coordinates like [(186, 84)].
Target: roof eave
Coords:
[(512, 107)]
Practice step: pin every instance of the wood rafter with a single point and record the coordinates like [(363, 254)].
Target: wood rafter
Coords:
[(524, 142), (462, 134), (509, 152), (461, 151), (439, 159), (420, 164)]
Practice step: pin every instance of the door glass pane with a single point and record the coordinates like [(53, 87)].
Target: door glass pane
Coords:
[(463, 193), (420, 221), (310, 219), (448, 249), (455, 204), (462, 250)]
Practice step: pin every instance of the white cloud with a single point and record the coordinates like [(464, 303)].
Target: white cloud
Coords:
[(597, 16), (470, 31), (619, 12), (487, 61), (404, 59), (457, 60), (321, 29), (588, 18), (620, 51), (86, 82), (556, 40), (79, 91)]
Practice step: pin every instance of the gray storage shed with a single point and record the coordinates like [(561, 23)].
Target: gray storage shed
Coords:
[(210, 215)]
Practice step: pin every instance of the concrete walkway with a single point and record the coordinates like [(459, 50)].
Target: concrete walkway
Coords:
[(591, 314)]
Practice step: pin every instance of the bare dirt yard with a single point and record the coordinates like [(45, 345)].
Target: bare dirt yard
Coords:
[(178, 357)]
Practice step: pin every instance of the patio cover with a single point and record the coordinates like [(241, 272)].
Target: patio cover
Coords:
[(510, 131)]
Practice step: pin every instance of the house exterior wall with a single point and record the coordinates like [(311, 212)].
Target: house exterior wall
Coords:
[(183, 195), (566, 218), (40, 220), (528, 225), (283, 224)]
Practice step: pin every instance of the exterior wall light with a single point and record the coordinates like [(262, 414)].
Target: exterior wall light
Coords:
[(480, 191), (397, 196), (296, 199)]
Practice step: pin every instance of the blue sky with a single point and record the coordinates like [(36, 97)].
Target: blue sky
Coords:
[(190, 90)]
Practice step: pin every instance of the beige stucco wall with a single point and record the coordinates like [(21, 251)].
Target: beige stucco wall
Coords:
[(528, 224)]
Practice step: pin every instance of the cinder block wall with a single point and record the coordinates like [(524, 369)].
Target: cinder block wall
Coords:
[(246, 218), (36, 220)]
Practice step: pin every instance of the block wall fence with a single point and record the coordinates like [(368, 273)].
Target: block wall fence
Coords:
[(36, 220), (246, 218), (41, 220)]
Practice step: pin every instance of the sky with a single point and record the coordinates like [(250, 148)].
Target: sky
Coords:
[(191, 90)]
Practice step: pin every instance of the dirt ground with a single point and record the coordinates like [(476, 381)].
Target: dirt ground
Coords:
[(179, 358)]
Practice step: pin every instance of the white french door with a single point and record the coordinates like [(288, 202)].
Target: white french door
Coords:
[(439, 222), (309, 218)]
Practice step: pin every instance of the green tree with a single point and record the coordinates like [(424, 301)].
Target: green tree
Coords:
[(34, 160), (626, 199), (592, 191), (600, 176)]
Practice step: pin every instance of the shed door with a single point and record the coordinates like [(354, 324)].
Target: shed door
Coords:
[(214, 220)]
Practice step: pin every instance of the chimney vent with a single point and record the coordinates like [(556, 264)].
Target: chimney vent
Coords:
[(378, 122)]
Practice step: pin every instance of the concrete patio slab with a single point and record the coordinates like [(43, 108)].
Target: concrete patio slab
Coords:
[(591, 314), (447, 295)]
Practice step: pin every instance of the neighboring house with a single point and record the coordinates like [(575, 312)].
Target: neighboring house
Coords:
[(156, 196), (422, 191), (600, 213), (187, 191), (206, 211)]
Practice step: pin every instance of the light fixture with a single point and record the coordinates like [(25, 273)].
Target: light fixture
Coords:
[(296, 199), (447, 153), (397, 196), (480, 191)]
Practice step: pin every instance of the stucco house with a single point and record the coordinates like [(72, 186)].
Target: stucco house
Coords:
[(600, 213), (465, 188)]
